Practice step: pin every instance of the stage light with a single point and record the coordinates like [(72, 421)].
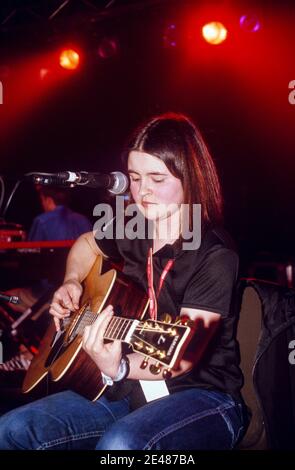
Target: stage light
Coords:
[(69, 59), (214, 32), (250, 23)]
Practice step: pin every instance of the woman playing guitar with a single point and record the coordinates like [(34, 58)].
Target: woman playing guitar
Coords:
[(188, 266)]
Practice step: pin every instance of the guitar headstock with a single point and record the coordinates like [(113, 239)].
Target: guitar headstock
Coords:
[(164, 342)]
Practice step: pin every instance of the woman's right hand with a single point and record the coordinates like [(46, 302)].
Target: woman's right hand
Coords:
[(65, 300)]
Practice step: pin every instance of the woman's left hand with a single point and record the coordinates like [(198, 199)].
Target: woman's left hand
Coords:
[(106, 356)]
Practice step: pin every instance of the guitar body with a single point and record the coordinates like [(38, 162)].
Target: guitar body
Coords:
[(64, 362)]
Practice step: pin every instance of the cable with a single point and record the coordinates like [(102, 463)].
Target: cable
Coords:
[(16, 186), (2, 192), (10, 197)]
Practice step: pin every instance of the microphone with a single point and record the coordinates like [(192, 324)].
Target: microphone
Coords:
[(13, 299), (115, 182)]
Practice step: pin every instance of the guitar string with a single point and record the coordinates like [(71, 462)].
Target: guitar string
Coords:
[(90, 318), (156, 329), (150, 354), (114, 328), (138, 337), (121, 321), (150, 330)]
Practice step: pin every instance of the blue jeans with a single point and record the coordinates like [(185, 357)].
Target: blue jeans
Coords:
[(186, 420)]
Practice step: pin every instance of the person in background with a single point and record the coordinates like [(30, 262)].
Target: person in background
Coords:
[(58, 222)]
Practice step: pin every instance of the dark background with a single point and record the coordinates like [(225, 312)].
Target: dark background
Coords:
[(237, 93)]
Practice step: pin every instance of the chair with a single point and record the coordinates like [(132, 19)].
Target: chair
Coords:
[(248, 333)]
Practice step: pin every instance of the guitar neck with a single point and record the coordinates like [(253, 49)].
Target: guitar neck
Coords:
[(119, 328), (156, 339)]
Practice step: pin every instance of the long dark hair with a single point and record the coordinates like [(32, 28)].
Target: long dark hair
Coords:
[(174, 139)]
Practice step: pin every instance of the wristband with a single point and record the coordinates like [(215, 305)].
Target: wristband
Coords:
[(122, 373)]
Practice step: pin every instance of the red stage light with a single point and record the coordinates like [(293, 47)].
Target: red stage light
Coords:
[(214, 32), (69, 59)]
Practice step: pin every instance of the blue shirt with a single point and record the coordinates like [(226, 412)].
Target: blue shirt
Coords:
[(60, 224)]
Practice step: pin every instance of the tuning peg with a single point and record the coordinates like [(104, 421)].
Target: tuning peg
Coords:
[(185, 321), (161, 354), (177, 320), (172, 331), (155, 368), (149, 349), (138, 344), (166, 318), (144, 363), (188, 322), (167, 373)]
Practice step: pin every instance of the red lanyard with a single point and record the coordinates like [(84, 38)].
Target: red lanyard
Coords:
[(150, 277)]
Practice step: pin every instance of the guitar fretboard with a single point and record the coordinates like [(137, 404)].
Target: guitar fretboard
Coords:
[(118, 328)]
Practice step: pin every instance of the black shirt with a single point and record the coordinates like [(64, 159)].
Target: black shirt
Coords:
[(204, 279)]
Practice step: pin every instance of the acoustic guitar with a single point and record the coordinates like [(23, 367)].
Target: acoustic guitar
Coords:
[(64, 364)]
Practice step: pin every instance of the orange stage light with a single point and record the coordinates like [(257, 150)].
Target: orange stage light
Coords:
[(214, 32), (69, 59)]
